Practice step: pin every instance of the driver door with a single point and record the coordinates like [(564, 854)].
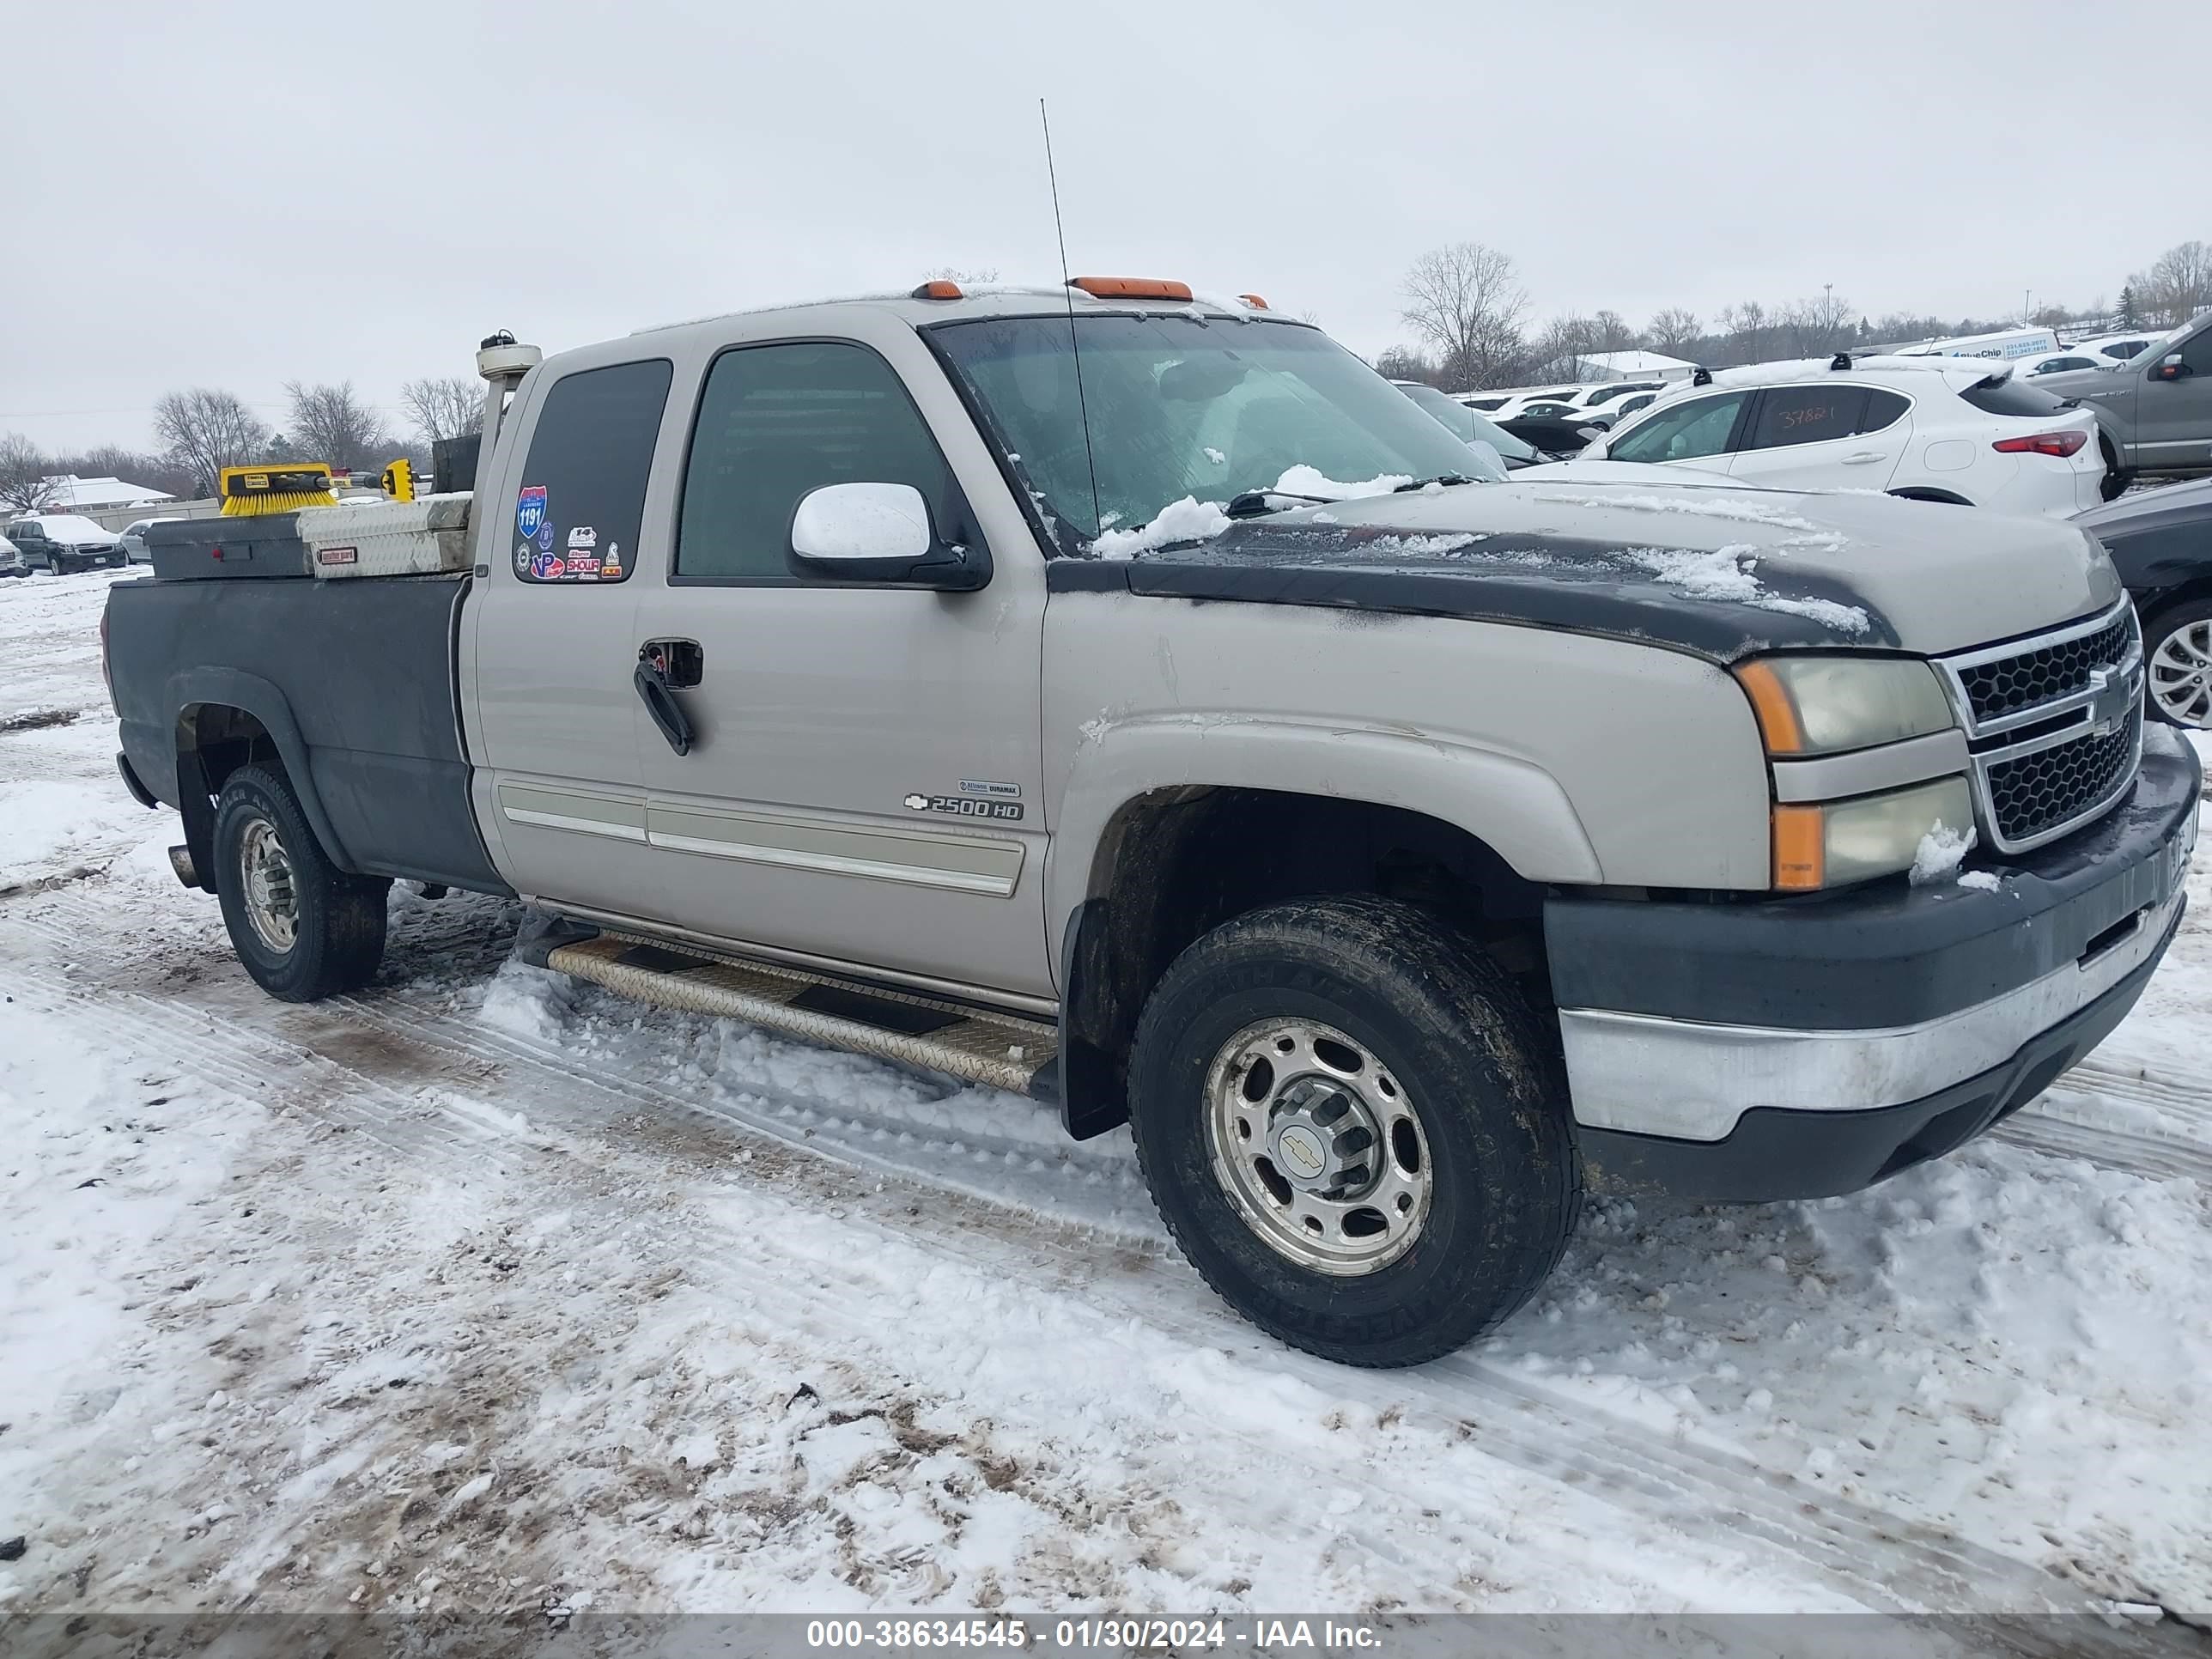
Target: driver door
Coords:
[(864, 779)]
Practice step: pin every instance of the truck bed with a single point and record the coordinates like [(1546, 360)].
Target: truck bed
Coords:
[(354, 681)]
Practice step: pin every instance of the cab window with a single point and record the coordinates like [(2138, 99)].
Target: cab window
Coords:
[(1688, 431), (778, 420), (582, 501)]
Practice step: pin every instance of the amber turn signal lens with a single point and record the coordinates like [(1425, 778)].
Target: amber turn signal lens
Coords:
[(938, 289), (1800, 848), (1770, 701)]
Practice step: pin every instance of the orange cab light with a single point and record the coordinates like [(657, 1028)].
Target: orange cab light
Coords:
[(1770, 701), (1800, 848), (1254, 300), (939, 289), (1130, 287)]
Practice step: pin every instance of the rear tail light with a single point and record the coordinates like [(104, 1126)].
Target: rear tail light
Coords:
[(2061, 444)]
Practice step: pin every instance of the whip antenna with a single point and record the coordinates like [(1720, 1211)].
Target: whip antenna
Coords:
[(1075, 349)]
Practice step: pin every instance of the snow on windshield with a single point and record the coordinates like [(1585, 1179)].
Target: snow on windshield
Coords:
[(1190, 520)]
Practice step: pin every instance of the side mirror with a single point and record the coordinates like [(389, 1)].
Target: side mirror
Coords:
[(879, 532), (2171, 368)]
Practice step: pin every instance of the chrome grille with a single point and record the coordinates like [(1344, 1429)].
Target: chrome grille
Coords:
[(2054, 725), (2050, 786), (2010, 684)]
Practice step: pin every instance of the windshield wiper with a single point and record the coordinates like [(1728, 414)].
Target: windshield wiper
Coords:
[(1257, 503), (1423, 484)]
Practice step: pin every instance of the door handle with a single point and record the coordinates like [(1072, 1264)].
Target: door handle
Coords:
[(1865, 456), (653, 685)]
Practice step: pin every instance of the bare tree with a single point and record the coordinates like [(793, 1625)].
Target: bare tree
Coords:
[(981, 275), (1553, 349), (206, 431), (450, 406), (1612, 331), (332, 423), (1674, 331), (26, 475), (1746, 327), (1466, 302), (2177, 285), (1399, 363)]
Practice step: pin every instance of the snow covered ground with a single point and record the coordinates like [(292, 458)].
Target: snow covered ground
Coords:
[(484, 1289)]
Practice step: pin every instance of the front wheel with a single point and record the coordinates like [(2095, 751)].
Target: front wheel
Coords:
[(2178, 665), (1355, 1127), (303, 927)]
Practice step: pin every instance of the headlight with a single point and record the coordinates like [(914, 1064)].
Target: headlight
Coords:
[(1840, 842), (1824, 705)]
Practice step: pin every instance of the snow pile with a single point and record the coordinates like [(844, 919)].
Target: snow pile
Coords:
[(1940, 851), (1981, 881), (1726, 574), (1302, 480), (1420, 546), (1186, 520), (1700, 504)]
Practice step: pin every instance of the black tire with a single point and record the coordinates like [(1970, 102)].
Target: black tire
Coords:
[(337, 932), (1480, 1068), (2157, 628), (2117, 477)]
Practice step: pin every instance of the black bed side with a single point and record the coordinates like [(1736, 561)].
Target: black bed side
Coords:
[(350, 683)]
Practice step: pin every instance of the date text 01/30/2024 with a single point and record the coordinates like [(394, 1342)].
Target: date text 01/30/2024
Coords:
[(1117, 1634)]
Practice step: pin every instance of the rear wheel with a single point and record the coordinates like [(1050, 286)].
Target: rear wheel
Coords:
[(303, 928), (2178, 665), (2117, 477), (1355, 1127)]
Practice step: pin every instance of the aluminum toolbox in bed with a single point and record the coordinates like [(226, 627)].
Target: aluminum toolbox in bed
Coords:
[(206, 550), (424, 538)]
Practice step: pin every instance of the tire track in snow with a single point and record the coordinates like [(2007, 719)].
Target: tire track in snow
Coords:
[(1878, 1559)]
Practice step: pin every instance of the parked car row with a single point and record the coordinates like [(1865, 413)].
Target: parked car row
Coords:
[(63, 542)]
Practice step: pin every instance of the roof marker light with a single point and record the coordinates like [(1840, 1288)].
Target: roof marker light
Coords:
[(1131, 287), (938, 289)]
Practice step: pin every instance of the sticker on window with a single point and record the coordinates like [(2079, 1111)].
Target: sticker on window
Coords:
[(530, 510)]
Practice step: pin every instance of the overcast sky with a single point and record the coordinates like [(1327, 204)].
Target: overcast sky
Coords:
[(234, 194)]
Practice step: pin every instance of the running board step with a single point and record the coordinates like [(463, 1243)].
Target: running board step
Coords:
[(983, 1046)]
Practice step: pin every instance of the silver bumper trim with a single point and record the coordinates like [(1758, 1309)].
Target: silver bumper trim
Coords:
[(1651, 1075)]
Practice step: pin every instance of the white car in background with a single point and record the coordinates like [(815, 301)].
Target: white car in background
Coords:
[(2117, 348), (1956, 429), (1603, 405), (133, 539), (2057, 362), (12, 561)]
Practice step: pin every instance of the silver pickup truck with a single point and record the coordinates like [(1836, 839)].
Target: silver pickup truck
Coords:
[(1135, 702)]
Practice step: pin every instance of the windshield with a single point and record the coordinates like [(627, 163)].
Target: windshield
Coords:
[(1182, 406), (1469, 426)]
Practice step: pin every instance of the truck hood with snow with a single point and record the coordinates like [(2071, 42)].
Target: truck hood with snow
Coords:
[(1721, 570)]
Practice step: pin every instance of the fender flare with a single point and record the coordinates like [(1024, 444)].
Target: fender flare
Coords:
[(231, 688), (1512, 805)]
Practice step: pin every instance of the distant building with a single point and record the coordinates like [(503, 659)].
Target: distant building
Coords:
[(1632, 366), (74, 495)]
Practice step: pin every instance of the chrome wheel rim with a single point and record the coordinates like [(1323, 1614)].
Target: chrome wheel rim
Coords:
[(272, 903), (1316, 1146), (2181, 674)]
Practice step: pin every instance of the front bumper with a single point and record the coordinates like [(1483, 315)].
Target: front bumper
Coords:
[(1792, 1048)]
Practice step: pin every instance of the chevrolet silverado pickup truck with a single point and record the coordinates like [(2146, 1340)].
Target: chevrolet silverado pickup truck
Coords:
[(1131, 701)]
